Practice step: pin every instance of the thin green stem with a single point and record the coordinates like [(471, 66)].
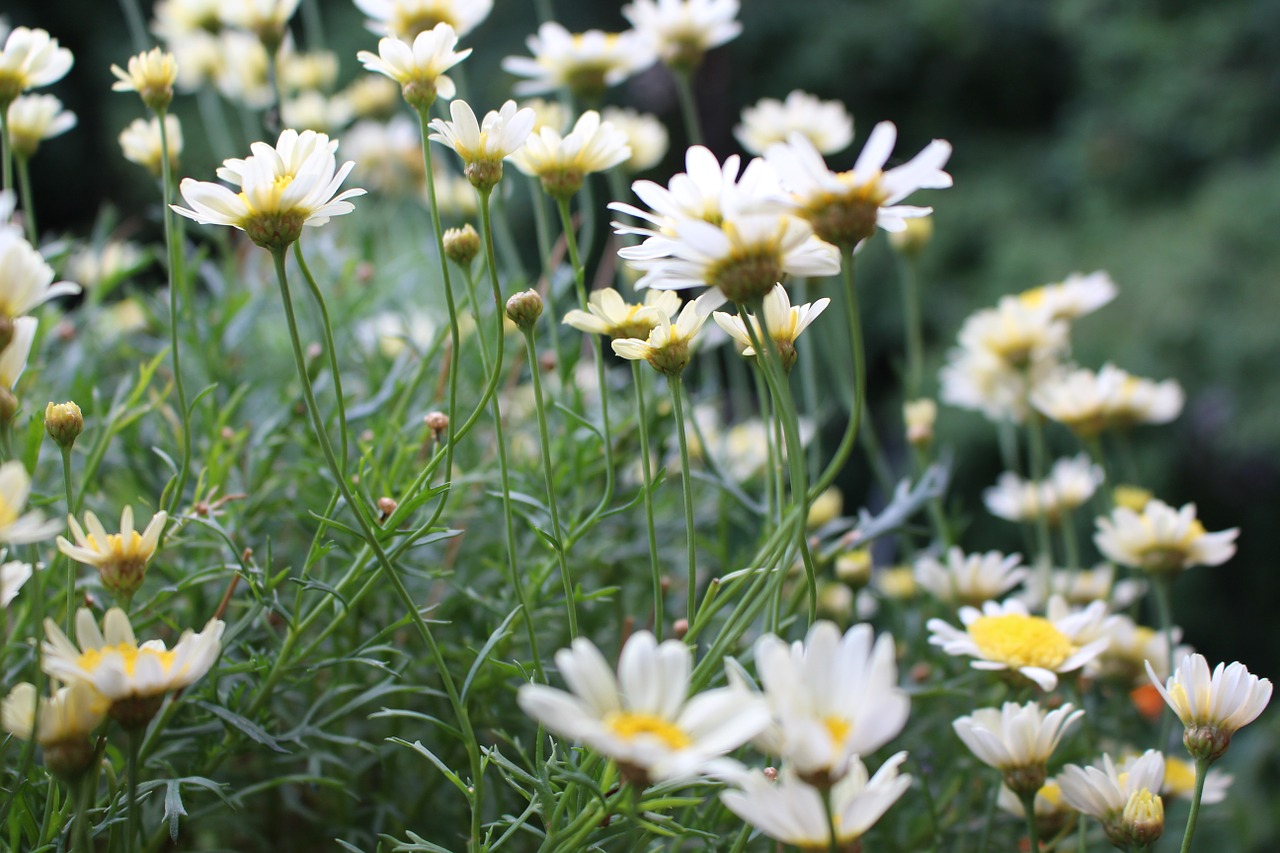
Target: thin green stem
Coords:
[(833, 837), (80, 840), (71, 564), (859, 378), (675, 383), (548, 474), (174, 247), (131, 833), (137, 24), (6, 149), (688, 106), (317, 295), (1029, 811), (28, 200), (655, 570), (1038, 466), (912, 328), (1202, 770), (1067, 530)]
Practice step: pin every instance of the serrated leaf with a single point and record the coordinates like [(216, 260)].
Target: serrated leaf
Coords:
[(248, 728)]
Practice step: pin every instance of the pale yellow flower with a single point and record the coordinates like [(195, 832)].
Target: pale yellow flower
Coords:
[(563, 162), (668, 346), (586, 63), (609, 314), (1162, 539), (35, 118), (826, 124), (419, 66), (783, 321), (151, 75), (141, 143), (30, 58), (120, 558)]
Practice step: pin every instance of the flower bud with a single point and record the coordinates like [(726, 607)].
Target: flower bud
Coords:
[(1131, 497), (1141, 823), (525, 308), (913, 239), (461, 245), (853, 567), (825, 507), (67, 759), (64, 423), (920, 416), (835, 601), (8, 406), (437, 422)]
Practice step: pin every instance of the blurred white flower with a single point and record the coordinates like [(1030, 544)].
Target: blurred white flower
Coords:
[(26, 281), (646, 137), (681, 31), (30, 58), (405, 19), (1089, 402), (586, 63), (16, 527), (970, 579), (1017, 740), (826, 124), (13, 575), (140, 142), (1073, 297), (1162, 539), (35, 118)]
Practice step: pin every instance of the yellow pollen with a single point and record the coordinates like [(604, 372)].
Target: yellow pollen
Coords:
[(409, 25), (629, 726), (115, 544), (1052, 793), (1019, 641), (1034, 297), (838, 728), (8, 513), (91, 659)]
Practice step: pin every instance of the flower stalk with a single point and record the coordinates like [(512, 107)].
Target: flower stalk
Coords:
[(676, 385), (655, 570)]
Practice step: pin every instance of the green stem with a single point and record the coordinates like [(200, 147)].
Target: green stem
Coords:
[(1202, 770), (174, 248), (1029, 810), (1038, 463), (913, 328), (131, 833), (688, 106), (71, 564), (1067, 529), (549, 475), (1164, 608), (655, 570), (675, 383), (6, 149), (317, 295), (28, 200), (80, 840), (137, 24), (859, 377), (833, 837)]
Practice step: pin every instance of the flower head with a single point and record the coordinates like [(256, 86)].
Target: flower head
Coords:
[(266, 19), (281, 190), (30, 58), (1162, 539), (484, 145), (60, 723), (17, 528), (833, 697), (1004, 636), (609, 314), (643, 717), (1071, 482), (419, 67), (845, 208), (1017, 739), (152, 75), (646, 137), (783, 321), (1212, 707), (681, 31), (13, 359), (1089, 402), (586, 63), (668, 345), (826, 124), (563, 162), (141, 142), (120, 558), (970, 579), (405, 19), (35, 118), (1051, 813), (1126, 802), (792, 811), (133, 677), (1073, 297)]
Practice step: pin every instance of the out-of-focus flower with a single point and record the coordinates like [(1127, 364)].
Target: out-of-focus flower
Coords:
[(178, 19), (419, 67), (1073, 297), (13, 575), (373, 96), (1051, 814), (1127, 803), (30, 59), (484, 145), (13, 359), (315, 70), (845, 208), (826, 124), (35, 118), (404, 19), (646, 137), (266, 19), (1212, 707), (150, 74), (824, 508), (561, 163), (388, 156), (783, 321), (316, 111), (552, 114), (643, 718), (282, 189), (133, 677), (26, 281), (920, 417), (609, 314), (1180, 781), (681, 31), (1089, 402), (60, 723), (668, 345), (390, 332), (970, 579), (140, 142), (1017, 740), (914, 238), (1071, 482), (242, 73), (94, 266), (1162, 539), (832, 697), (792, 811), (586, 63), (1133, 645), (120, 558), (1004, 636), (1083, 586)]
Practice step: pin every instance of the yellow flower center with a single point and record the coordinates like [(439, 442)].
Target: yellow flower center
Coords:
[(1020, 641), (1179, 776), (8, 512), (1034, 297), (116, 546), (629, 726), (408, 25), (1052, 794), (91, 659), (838, 728)]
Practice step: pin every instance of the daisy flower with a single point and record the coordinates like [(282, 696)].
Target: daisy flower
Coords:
[(646, 137), (133, 678), (1212, 707), (970, 579), (845, 208), (120, 558), (1126, 802), (561, 163), (140, 142), (1017, 740), (13, 359), (1052, 815), (1180, 781), (668, 345), (16, 527), (1161, 539), (419, 66), (1087, 402), (681, 31), (405, 19), (13, 575), (792, 812), (150, 74), (484, 145), (60, 723), (1071, 482), (282, 189), (586, 63), (1073, 297), (832, 697), (30, 58), (35, 118), (609, 314), (643, 718), (783, 321), (826, 124), (266, 19), (1005, 636)]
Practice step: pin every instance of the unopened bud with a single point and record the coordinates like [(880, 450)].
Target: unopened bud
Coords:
[(770, 773), (525, 308), (825, 507), (461, 245), (8, 406), (680, 628), (1142, 822), (853, 567), (437, 422), (913, 239), (386, 506), (835, 601), (68, 759), (484, 175), (1131, 497), (920, 416), (1206, 742), (1025, 780), (64, 422)]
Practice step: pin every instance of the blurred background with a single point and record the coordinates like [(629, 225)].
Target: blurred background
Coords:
[(1141, 137)]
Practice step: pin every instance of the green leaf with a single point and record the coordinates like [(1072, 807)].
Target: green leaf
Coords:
[(498, 634), (248, 728)]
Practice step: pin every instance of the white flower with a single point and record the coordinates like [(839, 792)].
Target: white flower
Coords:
[(1004, 636), (267, 19), (13, 359), (1050, 812), (93, 266), (1180, 781), (113, 663), (240, 67), (1073, 297), (374, 96), (784, 322), (316, 111), (970, 579), (586, 63), (13, 575), (388, 156), (668, 346), (281, 190), (178, 19), (151, 74), (483, 145), (1133, 645), (681, 31), (646, 137), (30, 58), (562, 162), (120, 558), (1071, 482), (845, 208), (1089, 402), (1125, 801), (826, 124), (792, 812), (140, 142), (299, 71), (643, 718), (1162, 539), (17, 528), (419, 67), (832, 697), (609, 314), (70, 714), (35, 118), (1212, 707), (1084, 586), (404, 19), (1016, 737)]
